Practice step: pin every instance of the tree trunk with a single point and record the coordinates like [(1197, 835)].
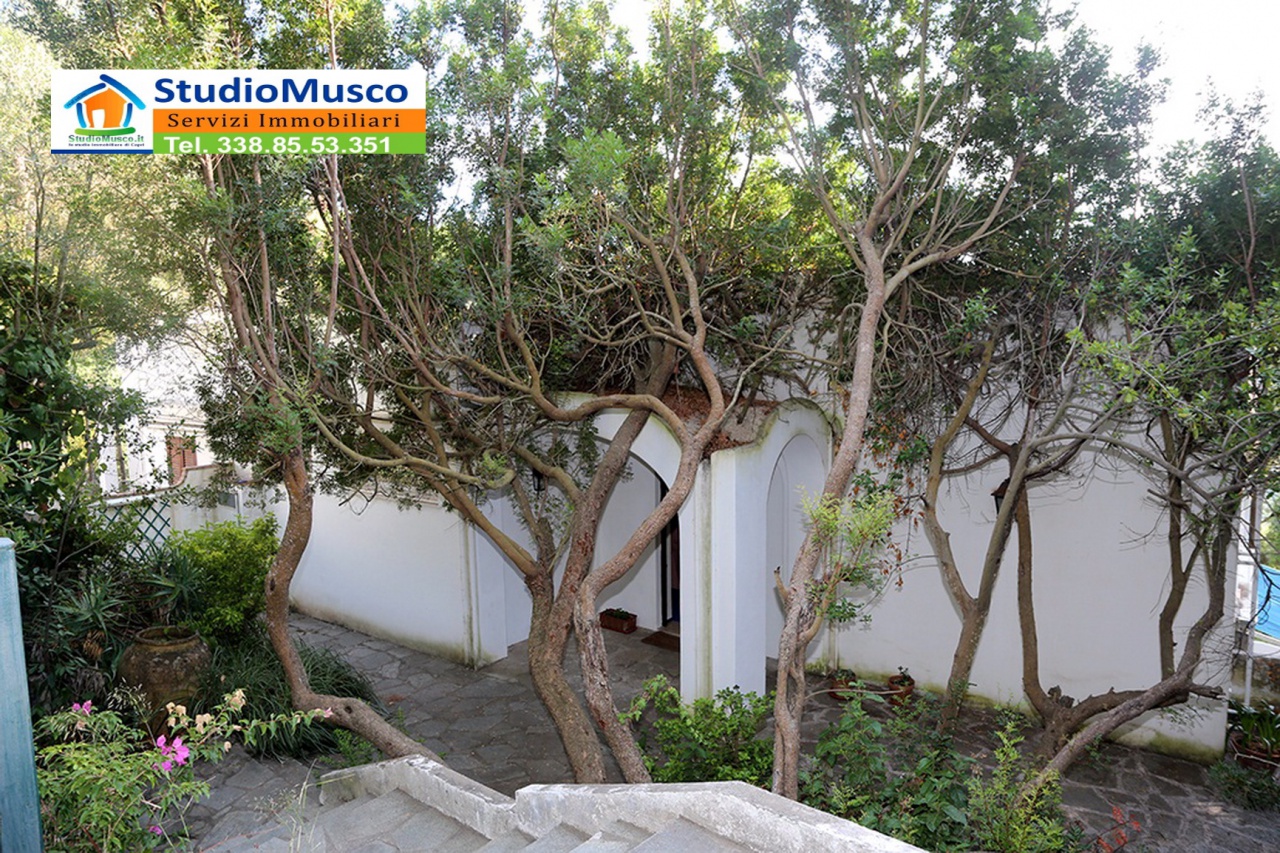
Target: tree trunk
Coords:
[(800, 616), (1172, 689), (347, 712), (548, 637), (592, 652), (599, 692)]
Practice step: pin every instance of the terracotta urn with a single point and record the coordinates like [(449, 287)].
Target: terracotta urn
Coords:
[(166, 664)]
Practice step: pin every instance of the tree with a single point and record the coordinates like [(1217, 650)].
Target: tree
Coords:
[(1199, 320), (1160, 367), (912, 126), (601, 258)]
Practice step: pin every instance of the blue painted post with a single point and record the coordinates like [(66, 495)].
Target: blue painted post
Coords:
[(19, 799)]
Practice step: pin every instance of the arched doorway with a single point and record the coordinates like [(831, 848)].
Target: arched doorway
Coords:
[(799, 471), (651, 589)]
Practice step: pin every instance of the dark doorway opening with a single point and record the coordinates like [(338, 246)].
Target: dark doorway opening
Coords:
[(669, 569)]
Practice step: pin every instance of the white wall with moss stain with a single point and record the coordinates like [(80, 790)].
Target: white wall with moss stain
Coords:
[(401, 574)]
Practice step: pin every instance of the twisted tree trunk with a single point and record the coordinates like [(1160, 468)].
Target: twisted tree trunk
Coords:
[(348, 712)]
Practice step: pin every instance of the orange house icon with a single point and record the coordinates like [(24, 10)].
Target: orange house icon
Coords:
[(105, 108)]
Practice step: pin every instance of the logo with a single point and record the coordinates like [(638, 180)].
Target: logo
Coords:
[(105, 108), (104, 116), (237, 111)]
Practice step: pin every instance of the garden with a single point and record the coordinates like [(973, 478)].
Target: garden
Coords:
[(147, 660), (939, 225)]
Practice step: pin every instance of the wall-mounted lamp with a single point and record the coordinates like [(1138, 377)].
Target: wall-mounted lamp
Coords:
[(999, 492)]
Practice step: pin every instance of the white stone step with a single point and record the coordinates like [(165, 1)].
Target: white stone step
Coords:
[(392, 822), (559, 839), (510, 842), (617, 837), (684, 836)]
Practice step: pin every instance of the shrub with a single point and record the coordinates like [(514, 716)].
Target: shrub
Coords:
[(851, 776), (1247, 788), (107, 786), (252, 663), (82, 601), (708, 741), (231, 561), (1004, 818)]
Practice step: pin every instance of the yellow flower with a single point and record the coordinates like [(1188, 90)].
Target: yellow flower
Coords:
[(203, 720)]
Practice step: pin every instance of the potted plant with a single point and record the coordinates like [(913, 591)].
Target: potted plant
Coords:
[(901, 686), (617, 619), (1255, 736), (167, 661), (842, 684)]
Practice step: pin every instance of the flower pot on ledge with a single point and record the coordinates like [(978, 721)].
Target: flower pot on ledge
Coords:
[(617, 619)]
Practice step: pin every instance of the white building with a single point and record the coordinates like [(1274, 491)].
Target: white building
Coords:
[(426, 578)]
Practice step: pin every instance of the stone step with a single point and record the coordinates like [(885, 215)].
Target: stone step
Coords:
[(685, 836), (393, 821), (248, 832), (559, 839), (617, 837), (509, 842)]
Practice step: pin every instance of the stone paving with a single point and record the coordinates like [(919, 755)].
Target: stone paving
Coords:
[(488, 725)]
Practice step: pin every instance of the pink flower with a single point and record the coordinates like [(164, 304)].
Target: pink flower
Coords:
[(173, 752), (157, 830), (85, 709)]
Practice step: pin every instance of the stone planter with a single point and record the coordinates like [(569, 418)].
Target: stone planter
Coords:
[(166, 664), (618, 620)]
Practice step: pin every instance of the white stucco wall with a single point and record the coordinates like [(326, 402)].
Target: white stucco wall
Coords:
[(402, 574), (1101, 573), (747, 540)]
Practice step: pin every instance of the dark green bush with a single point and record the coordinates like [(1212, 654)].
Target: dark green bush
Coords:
[(1247, 788), (231, 561), (708, 741), (251, 664), (82, 601), (853, 775)]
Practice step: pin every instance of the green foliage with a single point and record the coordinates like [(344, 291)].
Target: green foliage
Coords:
[(352, 750), (231, 561), (107, 786), (852, 531), (1246, 788), (252, 663), (83, 598), (712, 740), (1258, 725), (853, 775), (1006, 819)]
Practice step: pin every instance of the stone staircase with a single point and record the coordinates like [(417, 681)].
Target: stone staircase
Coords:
[(414, 804)]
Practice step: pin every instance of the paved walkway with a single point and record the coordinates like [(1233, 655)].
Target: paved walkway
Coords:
[(489, 725)]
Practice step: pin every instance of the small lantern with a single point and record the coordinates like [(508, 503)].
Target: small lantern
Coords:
[(999, 493)]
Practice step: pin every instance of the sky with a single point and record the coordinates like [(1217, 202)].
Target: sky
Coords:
[(1236, 43)]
